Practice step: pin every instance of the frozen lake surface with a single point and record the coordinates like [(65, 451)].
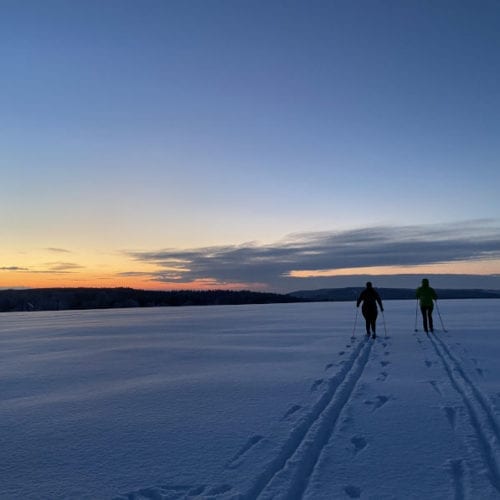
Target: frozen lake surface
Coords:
[(261, 401)]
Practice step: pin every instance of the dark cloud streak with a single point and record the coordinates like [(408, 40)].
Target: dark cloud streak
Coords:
[(58, 250), (368, 247)]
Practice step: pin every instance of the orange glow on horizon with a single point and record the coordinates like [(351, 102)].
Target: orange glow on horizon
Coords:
[(25, 279)]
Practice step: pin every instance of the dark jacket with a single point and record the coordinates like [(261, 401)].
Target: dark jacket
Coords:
[(370, 298), (426, 294)]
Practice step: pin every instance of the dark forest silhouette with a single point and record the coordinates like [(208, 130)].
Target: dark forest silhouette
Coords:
[(50, 299)]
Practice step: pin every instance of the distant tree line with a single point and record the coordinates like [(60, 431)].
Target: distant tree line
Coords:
[(50, 299)]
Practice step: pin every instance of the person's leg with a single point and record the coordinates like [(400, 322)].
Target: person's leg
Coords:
[(423, 309), (367, 323), (429, 314)]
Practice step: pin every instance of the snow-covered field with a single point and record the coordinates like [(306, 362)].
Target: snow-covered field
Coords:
[(268, 401)]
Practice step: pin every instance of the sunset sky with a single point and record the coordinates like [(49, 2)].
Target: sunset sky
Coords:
[(270, 145)]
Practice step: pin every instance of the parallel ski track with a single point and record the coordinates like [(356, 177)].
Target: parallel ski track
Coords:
[(287, 475), (481, 414)]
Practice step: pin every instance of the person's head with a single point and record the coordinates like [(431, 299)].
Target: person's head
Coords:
[(368, 284), (425, 282)]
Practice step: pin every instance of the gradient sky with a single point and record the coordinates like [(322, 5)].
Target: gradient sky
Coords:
[(274, 145)]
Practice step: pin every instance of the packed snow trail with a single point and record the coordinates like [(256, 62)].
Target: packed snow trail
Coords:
[(287, 476), (482, 417)]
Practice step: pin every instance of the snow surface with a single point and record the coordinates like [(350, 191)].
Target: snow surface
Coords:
[(264, 401)]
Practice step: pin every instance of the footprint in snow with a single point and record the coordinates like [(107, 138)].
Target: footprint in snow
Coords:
[(235, 462), (353, 491), (197, 490), (428, 363), (382, 376), (451, 415), (456, 469), (435, 386), (218, 490), (328, 366), (359, 443), (385, 363), (291, 411), (378, 403), (181, 491), (381, 400), (316, 384)]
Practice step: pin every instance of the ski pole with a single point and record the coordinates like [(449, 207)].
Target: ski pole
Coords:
[(355, 321), (416, 312), (440, 319), (385, 329)]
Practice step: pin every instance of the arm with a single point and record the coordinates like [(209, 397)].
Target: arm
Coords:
[(380, 304), (360, 299)]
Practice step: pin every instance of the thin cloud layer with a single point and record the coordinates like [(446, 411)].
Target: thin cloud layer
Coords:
[(63, 267), (58, 250), (361, 248), (48, 268)]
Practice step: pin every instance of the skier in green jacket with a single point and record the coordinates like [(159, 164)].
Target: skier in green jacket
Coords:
[(426, 295)]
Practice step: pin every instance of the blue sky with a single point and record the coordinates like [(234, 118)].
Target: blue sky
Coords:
[(131, 128)]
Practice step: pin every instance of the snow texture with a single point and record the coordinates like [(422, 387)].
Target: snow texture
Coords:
[(247, 402)]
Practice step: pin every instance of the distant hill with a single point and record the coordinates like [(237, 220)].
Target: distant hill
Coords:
[(351, 293), (50, 299)]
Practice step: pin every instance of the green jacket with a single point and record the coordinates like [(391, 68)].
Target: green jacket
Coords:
[(426, 294)]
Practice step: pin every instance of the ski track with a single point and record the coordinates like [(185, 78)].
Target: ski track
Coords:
[(481, 416), (285, 476)]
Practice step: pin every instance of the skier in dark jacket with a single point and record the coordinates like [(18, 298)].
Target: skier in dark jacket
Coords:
[(426, 294), (370, 298)]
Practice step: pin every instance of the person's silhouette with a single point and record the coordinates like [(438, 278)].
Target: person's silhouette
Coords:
[(370, 298)]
